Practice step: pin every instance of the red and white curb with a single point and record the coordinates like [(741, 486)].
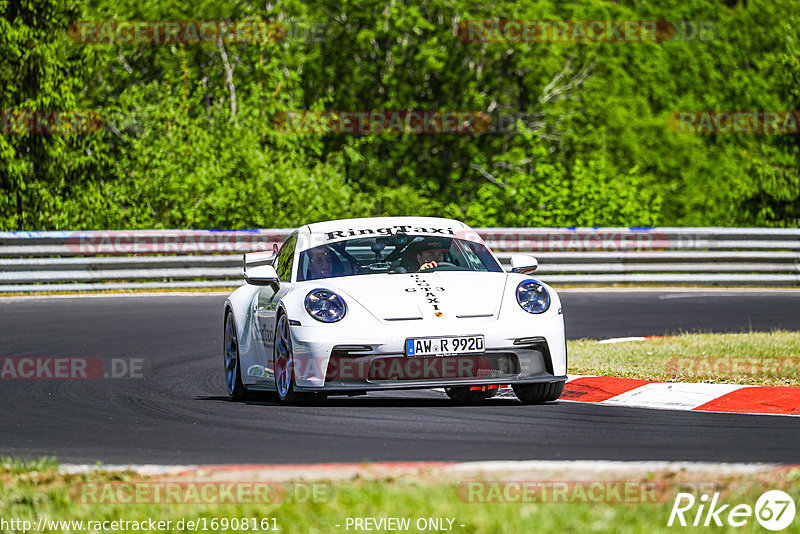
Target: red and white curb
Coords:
[(729, 398)]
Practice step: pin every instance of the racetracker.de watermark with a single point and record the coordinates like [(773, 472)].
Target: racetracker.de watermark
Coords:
[(170, 32), (201, 492), (354, 122), (406, 122), (498, 239), (404, 368), (354, 368), (734, 122), (575, 492), (711, 366), (382, 122), (584, 31), (69, 368), (50, 122), (175, 242), (578, 239)]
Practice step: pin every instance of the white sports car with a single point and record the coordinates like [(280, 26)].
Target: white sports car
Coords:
[(392, 303)]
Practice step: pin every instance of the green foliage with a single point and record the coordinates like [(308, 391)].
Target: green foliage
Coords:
[(192, 137), (39, 71), (13, 465)]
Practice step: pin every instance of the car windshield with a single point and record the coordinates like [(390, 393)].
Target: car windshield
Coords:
[(398, 253)]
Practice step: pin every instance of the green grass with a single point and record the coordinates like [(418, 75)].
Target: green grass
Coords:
[(32, 490), (15, 465), (768, 359)]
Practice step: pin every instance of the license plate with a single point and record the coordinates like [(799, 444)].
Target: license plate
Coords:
[(444, 346)]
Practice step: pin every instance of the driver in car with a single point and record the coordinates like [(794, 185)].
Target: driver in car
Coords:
[(430, 258)]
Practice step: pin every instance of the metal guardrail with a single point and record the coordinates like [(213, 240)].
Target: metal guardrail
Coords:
[(47, 261)]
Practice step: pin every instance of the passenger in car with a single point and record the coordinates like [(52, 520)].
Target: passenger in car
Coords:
[(323, 263)]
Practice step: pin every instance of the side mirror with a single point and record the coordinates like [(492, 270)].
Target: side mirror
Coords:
[(262, 275), (253, 259), (522, 263)]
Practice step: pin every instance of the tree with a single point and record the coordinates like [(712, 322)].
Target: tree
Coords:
[(40, 72)]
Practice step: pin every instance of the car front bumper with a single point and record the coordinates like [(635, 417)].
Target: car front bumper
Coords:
[(357, 359)]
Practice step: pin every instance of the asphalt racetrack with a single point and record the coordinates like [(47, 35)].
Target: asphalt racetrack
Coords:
[(178, 412)]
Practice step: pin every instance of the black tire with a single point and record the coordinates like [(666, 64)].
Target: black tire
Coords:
[(288, 395), (538, 393), (237, 391), (464, 395)]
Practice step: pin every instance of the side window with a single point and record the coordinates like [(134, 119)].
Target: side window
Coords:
[(285, 256)]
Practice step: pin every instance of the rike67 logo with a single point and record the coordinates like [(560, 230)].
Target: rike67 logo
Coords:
[(774, 510)]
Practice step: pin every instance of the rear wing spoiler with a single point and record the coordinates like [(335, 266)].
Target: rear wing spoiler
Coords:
[(254, 259)]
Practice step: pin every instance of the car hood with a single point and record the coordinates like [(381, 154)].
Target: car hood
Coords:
[(453, 294)]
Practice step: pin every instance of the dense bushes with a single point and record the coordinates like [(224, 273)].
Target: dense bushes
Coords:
[(191, 138)]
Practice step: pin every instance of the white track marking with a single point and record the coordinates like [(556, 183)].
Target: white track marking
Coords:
[(621, 339), (541, 469), (672, 396), (706, 293)]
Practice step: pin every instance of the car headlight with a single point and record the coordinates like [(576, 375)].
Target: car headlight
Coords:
[(533, 297), (325, 305)]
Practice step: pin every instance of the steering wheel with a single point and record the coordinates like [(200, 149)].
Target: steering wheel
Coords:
[(443, 266)]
